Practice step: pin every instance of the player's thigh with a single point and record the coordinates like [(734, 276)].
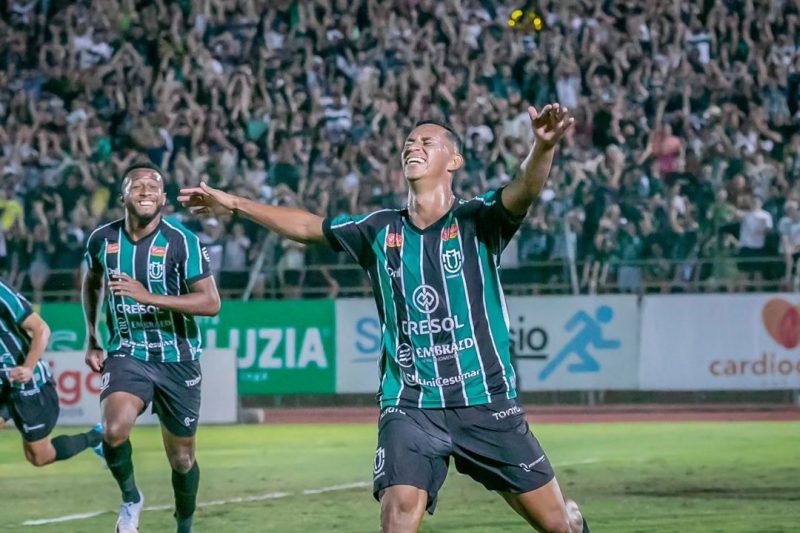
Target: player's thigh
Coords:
[(125, 391), (413, 450), (176, 398), (493, 444), (35, 411)]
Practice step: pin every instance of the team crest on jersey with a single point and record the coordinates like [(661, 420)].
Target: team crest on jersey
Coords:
[(452, 262), (158, 251), (156, 271), (450, 233), (394, 240), (112, 248)]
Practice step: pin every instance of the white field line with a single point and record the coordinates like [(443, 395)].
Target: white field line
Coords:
[(213, 503), (246, 499)]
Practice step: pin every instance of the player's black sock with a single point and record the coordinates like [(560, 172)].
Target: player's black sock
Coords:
[(585, 527), (184, 524), (68, 445), (185, 487), (120, 463)]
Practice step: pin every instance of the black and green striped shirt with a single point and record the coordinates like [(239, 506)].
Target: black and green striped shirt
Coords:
[(14, 340), (167, 261), (440, 303)]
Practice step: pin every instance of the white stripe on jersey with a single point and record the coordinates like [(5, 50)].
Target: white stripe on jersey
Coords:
[(453, 332), (471, 321), (430, 335), (122, 298), (486, 313), (343, 224)]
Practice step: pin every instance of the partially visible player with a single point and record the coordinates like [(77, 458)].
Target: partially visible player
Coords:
[(447, 387), (27, 392), (156, 278)]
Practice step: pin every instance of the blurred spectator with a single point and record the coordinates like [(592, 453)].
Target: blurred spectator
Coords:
[(307, 103), (754, 226)]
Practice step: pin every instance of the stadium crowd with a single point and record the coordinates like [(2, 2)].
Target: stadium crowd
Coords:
[(685, 154)]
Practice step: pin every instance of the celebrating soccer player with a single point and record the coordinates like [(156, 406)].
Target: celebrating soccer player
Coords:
[(27, 392), (157, 278), (448, 386)]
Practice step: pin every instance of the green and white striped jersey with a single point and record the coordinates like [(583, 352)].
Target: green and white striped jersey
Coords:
[(14, 340), (445, 330), (167, 261)]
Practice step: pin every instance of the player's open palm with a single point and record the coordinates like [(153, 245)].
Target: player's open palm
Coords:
[(207, 200), (550, 124)]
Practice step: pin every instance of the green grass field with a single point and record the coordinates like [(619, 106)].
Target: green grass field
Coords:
[(649, 477)]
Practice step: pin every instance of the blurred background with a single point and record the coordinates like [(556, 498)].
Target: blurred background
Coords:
[(680, 175)]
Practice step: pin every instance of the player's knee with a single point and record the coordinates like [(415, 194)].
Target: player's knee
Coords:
[(116, 433), (38, 459), (181, 462), (555, 522), (398, 512)]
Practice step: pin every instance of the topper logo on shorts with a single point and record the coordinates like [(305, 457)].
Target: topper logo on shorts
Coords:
[(425, 299), (380, 462), (511, 411), (27, 429), (193, 382), (188, 421)]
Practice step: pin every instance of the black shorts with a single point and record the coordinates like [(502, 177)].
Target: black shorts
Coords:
[(174, 389), (491, 443), (34, 411)]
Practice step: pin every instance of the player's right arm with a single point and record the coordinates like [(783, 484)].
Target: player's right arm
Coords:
[(92, 298), (295, 224)]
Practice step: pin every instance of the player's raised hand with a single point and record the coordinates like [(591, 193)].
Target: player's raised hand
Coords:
[(124, 285), (207, 200), (550, 124), (94, 359)]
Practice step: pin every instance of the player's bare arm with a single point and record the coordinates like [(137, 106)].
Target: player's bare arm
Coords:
[(39, 332), (202, 299), (549, 126), (91, 298), (292, 223)]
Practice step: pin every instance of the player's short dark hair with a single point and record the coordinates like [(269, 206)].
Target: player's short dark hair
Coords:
[(451, 133), (142, 166)]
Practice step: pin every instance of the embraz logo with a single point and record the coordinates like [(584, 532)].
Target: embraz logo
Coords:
[(782, 322), (451, 261), (405, 357), (156, 271), (425, 299)]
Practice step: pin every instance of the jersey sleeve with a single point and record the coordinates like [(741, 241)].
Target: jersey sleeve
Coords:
[(496, 224), (192, 259), (352, 235), (92, 253), (15, 307)]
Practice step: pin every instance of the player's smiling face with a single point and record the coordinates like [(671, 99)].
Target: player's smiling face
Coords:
[(143, 193), (429, 151)]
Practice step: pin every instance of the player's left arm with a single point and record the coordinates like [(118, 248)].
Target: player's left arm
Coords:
[(549, 127), (39, 331), (201, 300)]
